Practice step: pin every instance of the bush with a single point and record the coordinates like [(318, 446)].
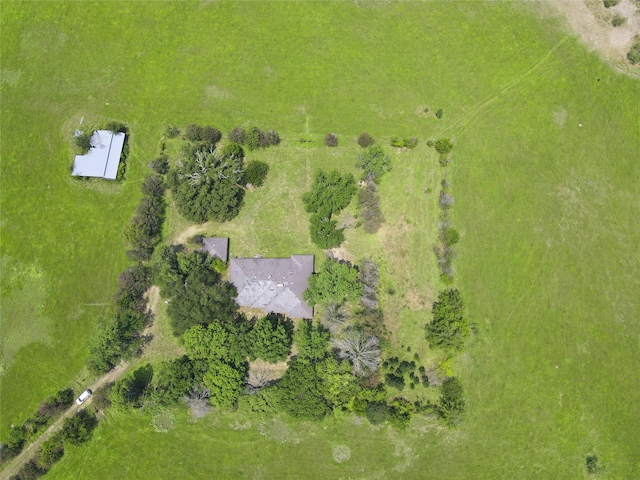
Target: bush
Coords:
[(331, 140), (237, 135), (330, 193), (101, 397), (335, 283), (450, 236), (256, 172), (634, 53), (153, 185), (193, 133), (395, 381), (210, 135), (55, 405), (116, 127), (610, 3), (449, 329), (439, 113), (618, 20), (253, 139), (365, 140), (405, 142), (171, 131), (51, 451), (83, 141), (78, 429), (160, 165), (30, 471), (443, 146), (270, 138), (377, 412), (592, 466), (451, 404)]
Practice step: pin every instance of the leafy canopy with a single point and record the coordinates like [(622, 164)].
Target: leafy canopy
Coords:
[(224, 382), (330, 193), (206, 186), (270, 338), (337, 282), (374, 162), (312, 341)]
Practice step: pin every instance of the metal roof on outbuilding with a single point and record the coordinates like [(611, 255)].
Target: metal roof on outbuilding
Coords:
[(103, 157)]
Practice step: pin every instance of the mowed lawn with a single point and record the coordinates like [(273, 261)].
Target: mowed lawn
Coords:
[(548, 260)]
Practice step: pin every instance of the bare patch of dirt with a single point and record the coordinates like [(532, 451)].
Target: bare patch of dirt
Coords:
[(341, 253), (590, 21), (190, 232)]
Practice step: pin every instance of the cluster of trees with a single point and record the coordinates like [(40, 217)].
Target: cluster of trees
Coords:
[(254, 138), (119, 337), (207, 136), (48, 410), (145, 227), (207, 184), (330, 193), (75, 430)]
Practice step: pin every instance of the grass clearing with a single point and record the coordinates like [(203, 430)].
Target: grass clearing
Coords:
[(547, 262)]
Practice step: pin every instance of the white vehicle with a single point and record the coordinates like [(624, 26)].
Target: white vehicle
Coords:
[(83, 396)]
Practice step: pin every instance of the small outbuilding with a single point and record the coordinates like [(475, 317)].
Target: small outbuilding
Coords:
[(103, 157), (216, 247)]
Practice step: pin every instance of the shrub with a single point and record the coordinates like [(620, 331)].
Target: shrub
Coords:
[(51, 451), (439, 113), (256, 172), (101, 397), (171, 131), (450, 236), (405, 142), (78, 429), (449, 329), (443, 146), (451, 404), (331, 140), (365, 140), (270, 338), (634, 53), (330, 193), (336, 282), (592, 466), (253, 139), (400, 412), (160, 165), (618, 20), (377, 412), (270, 138), (210, 135), (30, 471), (395, 381), (153, 185), (193, 133), (237, 135), (610, 3), (233, 151), (83, 141), (116, 127), (56, 404)]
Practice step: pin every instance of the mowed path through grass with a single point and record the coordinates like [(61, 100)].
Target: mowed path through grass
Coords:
[(548, 260)]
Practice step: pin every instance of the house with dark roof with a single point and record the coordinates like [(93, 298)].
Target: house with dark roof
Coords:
[(103, 157), (274, 285), (216, 247)]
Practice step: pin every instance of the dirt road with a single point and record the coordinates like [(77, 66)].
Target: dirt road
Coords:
[(30, 451)]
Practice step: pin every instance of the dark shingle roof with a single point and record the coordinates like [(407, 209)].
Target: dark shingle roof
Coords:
[(273, 284), (216, 247)]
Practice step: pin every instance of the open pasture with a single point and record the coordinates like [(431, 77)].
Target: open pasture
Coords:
[(548, 260)]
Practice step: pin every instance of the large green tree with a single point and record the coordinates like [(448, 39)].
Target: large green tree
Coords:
[(225, 341), (270, 338), (374, 162), (336, 282), (312, 341), (330, 193), (449, 329), (301, 391), (206, 185), (205, 298), (224, 382)]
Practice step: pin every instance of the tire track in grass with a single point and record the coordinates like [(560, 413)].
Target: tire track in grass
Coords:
[(482, 106)]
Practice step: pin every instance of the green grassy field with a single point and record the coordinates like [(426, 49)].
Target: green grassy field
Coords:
[(548, 260)]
